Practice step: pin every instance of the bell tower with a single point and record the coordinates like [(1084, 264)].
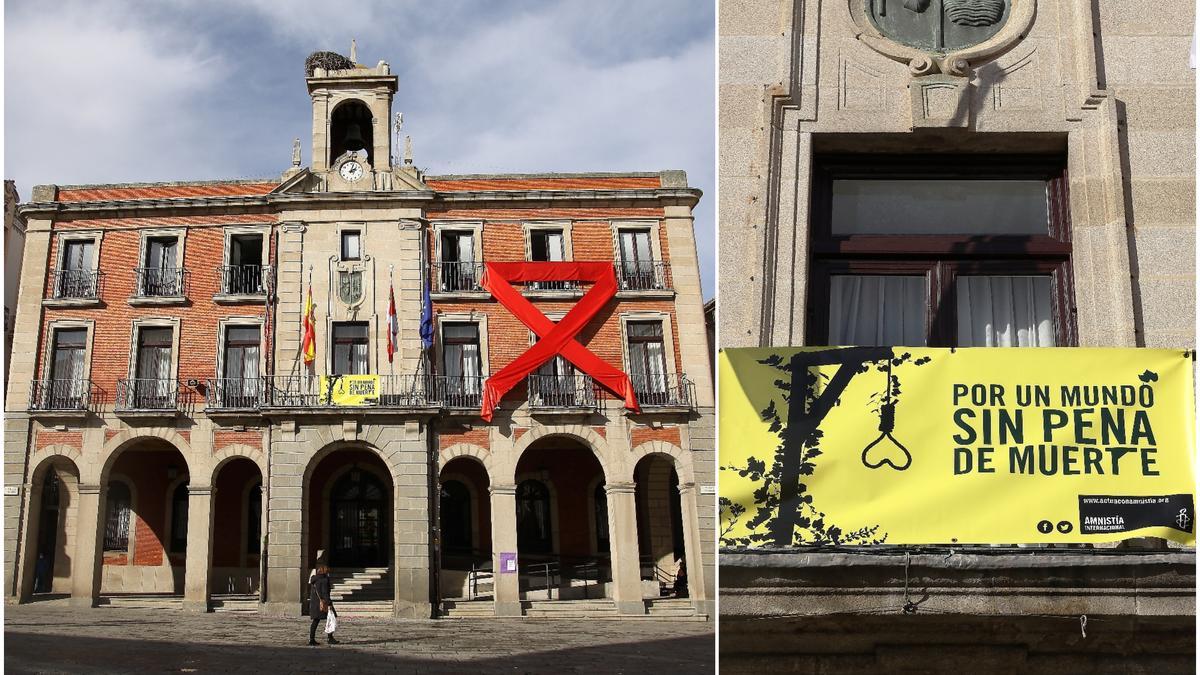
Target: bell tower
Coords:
[(352, 104)]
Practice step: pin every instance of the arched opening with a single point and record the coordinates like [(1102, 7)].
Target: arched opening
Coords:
[(557, 528), (465, 529), (145, 520), (237, 531), (660, 528), (349, 504), (351, 128), (52, 526)]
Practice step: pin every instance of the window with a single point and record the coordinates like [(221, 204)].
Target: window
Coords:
[(462, 364), (179, 519), (254, 520), (554, 384), (637, 268), (458, 269), (350, 344), (941, 251), (67, 388), (601, 505), (161, 275), (533, 518), (244, 274), (153, 386), (241, 383), (76, 279), (456, 517), (351, 245), (547, 245), (647, 361), (116, 521)]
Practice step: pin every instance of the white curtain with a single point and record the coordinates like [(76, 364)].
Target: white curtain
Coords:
[(877, 311), (554, 247), (466, 248), (1004, 311), (470, 368)]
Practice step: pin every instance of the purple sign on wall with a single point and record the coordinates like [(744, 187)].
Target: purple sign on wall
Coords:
[(508, 563)]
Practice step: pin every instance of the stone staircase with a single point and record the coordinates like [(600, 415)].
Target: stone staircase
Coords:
[(673, 608), (468, 609), (570, 609), (141, 601), (363, 592), (241, 603)]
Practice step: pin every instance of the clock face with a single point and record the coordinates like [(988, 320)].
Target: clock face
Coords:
[(351, 171)]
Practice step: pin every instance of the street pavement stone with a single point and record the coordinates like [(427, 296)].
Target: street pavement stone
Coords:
[(51, 637)]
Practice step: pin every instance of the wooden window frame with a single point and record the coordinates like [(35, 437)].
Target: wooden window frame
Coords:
[(941, 259)]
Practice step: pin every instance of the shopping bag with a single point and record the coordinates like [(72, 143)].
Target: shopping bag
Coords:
[(331, 621)]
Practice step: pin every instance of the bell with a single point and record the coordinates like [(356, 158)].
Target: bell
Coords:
[(354, 139)]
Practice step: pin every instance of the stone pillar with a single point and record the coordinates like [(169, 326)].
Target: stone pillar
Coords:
[(28, 544), (85, 579), (692, 553), (623, 543), (198, 568), (504, 540)]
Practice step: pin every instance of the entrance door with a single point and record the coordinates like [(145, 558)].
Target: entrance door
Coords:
[(357, 513), (47, 535)]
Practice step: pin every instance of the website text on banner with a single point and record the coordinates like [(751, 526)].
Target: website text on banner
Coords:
[(880, 445)]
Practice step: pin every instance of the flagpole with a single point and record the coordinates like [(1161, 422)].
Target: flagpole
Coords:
[(388, 331)]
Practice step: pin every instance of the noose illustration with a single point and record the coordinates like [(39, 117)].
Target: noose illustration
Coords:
[(887, 424)]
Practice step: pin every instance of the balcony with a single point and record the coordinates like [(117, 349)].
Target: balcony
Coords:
[(459, 393), (668, 392), (60, 396), (239, 283), (149, 396), (304, 392), (234, 394), (643, 276), (457, 277), (572, 393), (74, 287), (159, 286)]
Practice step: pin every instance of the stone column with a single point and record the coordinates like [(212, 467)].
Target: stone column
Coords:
[(85, 578), (693, 555), (623, 544), (198, 568), (28, 543), (506, 586)]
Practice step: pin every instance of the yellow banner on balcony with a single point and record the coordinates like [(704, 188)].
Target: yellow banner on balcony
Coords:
[(350, 390), (869, 445)]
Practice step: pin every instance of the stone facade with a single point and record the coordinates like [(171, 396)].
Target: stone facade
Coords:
[(14, 248), (1102, 88), (222, 472)]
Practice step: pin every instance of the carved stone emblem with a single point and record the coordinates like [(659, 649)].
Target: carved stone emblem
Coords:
[(350, 287), (938, 25)]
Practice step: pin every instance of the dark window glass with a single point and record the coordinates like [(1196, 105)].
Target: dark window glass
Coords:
[(457, 263), (245, 272), (116, 523), (350, 343)]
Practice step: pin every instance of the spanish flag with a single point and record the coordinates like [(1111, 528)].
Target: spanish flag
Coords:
[(309, 345)]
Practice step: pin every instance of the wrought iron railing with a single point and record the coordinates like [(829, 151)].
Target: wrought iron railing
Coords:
[(552, 286), (668, 390), (459, 391), (244, 279), (75, 284), (452, 277), (235, 393), (563, 391), (551, 573), (643, 275), (60, 395), (147, 394), (155, 282)]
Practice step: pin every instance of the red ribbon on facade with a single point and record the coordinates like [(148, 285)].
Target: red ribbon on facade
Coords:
[(556, 338)]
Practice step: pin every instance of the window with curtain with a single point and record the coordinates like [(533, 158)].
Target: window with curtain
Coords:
[(636, 258), (351, 245), (647, 360), (153, 385), (462, 363), (241, 376), (161, 276), (942, 251), (350, 345), (458, 260), (67, 387), (116, 521), (546, 245), (179, 519), (76, 279)]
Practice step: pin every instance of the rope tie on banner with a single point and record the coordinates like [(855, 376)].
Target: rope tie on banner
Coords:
[(910, 607), (1083, 625)]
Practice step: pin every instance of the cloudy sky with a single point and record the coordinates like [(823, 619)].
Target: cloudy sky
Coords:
[(105, 91)]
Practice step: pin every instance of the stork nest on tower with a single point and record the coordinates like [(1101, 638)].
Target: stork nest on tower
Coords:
[(327, 60)]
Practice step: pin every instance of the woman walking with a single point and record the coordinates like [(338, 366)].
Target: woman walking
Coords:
[(320, 606)]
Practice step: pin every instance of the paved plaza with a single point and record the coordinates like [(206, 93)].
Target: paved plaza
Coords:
[(50, 637)]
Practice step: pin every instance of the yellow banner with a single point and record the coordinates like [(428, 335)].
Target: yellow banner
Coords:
[(869, 445), (350, 390)]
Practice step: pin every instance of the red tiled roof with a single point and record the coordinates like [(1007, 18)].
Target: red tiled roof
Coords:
[(165, 191), (574, 183)]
